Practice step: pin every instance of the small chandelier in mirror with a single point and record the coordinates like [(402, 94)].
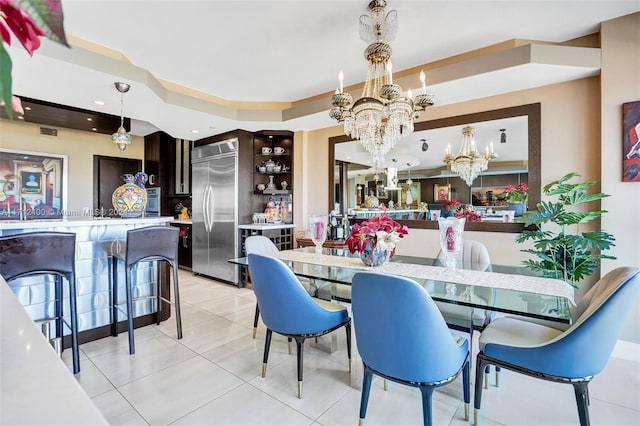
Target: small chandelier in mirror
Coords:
[(121, 137), (469, 163)]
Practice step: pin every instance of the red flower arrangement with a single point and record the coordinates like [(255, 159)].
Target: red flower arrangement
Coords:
[(452, 204), (469, 214), (517, 193), (382, 231)]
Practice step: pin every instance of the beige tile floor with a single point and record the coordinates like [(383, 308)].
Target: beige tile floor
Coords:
[(212, 377)]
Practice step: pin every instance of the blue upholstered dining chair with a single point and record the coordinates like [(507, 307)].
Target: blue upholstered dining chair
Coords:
[(402, 337), (259, 244), (572, 356), (288, 309)]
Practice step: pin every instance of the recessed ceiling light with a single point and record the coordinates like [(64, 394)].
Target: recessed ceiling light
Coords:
[(21, 117), (195, 131), (89, 119), (98, 102), (27, 108), (212, 127), (93, 129)]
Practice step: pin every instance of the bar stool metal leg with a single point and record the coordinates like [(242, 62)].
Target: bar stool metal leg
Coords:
[(176, 299), (74, 325), (114, 296), (129, 290)]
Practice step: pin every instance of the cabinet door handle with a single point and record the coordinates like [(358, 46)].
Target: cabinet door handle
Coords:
[(184, 241), (152, 179)]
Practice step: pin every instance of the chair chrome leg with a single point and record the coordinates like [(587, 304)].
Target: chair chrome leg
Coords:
[(289, 345), (466, 411), (300, 390), (476, 417), (486, 380), (497, 377), (360, 422), (264, 369), (255, 330), (386, 385)]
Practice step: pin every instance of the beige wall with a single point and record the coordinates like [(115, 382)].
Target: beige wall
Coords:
[(78, 146), (570, 142), (620, 83)]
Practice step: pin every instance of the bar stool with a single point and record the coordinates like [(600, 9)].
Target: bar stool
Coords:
[(145, 245), (46, 253)]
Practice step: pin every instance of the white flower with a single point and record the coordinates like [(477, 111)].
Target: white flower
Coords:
[(387, 241)]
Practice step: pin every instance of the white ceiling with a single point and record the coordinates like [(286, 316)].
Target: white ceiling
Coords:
[(279, 51)]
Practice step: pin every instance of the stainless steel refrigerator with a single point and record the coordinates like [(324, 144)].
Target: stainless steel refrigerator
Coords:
[(215, 209)]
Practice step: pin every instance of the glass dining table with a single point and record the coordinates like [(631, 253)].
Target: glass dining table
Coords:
[(512, 289)]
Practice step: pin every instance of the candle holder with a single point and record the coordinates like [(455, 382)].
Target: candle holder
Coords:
[(451, 229)]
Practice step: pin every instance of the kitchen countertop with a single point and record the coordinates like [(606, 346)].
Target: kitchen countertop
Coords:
[(80, 221), (263, 226), (182, 221), (36, 386)]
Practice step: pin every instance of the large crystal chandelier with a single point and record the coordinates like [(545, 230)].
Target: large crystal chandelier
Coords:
[(383, 115), (469, 163)]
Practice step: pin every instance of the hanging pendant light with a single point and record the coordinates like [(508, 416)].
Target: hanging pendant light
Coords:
[(121, 137), (409, 181)]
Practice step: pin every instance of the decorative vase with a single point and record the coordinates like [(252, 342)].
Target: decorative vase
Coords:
[(129, 200), (518, 208), (371, 256), (451, 230)]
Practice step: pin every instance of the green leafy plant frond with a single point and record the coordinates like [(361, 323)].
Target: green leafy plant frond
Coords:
[(560, 253)]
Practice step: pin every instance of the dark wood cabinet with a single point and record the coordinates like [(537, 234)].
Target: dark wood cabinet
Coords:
[(184, 245), (273, 169)]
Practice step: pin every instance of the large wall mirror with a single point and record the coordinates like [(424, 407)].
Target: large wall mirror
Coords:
[(514, 133)]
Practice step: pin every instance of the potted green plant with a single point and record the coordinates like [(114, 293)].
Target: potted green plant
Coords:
[(562, 254)]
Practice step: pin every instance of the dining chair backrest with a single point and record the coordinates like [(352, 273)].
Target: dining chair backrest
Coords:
[(259, 244), (37, 253), (285, 305), (584, 348), (400, 330), (474, 255), (152, 243)]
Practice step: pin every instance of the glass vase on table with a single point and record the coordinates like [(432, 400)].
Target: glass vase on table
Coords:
[(451, 229), (318, 227)]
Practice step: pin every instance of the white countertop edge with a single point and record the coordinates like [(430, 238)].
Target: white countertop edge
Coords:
[(36, 387), (81, 221), (182, 221), (262, 226)]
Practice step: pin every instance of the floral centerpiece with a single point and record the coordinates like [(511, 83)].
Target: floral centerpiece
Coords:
[(375, 239), (450, 207), (517, 196), (469, 214), (517, 193)]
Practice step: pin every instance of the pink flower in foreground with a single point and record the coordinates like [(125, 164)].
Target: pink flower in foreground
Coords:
[(23, 27)]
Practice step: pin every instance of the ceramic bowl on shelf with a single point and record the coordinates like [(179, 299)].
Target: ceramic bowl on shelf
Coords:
[(261, 187), (262, 169), (277, 168)]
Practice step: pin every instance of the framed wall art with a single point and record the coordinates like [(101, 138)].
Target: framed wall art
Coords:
[(441, 193), (631, 142), (32, 185)]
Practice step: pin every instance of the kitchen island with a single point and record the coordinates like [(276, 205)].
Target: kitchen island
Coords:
[(96, 240)]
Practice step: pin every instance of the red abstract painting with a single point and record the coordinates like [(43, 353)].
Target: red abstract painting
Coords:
[(631, 142)]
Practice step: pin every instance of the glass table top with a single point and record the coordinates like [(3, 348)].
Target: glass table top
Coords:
[(333, 282)]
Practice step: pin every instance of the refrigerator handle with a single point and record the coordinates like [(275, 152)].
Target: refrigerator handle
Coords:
[(210, 202), (205, 208)]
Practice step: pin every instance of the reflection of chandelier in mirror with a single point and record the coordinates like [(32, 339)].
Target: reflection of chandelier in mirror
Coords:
[(121, 137), (409, 181), (383, 115), (469, 163)]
